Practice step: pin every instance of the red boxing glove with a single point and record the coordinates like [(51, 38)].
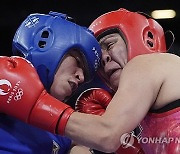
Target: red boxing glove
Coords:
[(93, 101), (23, 96)]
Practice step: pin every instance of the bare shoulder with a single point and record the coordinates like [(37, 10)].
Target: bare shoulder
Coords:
[(159, 72), (152, 69), (156, 61), (155, 57)]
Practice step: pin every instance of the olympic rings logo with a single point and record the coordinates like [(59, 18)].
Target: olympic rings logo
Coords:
[(19, 94)]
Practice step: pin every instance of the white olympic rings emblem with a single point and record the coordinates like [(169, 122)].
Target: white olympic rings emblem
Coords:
[(19, 94)]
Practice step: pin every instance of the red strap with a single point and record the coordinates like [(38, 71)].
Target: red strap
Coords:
[(63, 120)]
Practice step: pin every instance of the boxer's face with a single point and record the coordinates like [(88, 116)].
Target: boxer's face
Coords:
[(68, 76), (114, 58)]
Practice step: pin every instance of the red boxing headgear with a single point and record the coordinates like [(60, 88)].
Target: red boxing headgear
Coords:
[(142, 34)]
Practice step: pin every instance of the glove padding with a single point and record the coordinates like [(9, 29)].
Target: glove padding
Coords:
[(23, 96), (95, 101)]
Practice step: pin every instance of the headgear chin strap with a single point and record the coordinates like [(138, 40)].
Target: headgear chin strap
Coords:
[(142, 34), (44, 39)]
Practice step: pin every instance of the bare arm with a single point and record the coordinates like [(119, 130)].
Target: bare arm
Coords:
[(140, 85), (79, 149)]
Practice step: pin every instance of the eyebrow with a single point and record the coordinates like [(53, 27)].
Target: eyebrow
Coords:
[(106, 37)]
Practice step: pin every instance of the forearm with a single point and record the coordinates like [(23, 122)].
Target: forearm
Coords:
[(92, 131)]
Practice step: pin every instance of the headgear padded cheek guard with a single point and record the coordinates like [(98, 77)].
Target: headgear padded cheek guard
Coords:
[(142, 35), (44, 39)]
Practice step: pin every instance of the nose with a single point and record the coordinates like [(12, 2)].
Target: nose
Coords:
[(105, 58), (79, 75)]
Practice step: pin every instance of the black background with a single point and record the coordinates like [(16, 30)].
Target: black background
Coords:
[(83, 12)]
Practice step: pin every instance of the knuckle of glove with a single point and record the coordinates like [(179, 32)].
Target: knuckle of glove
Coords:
[(103, 96)]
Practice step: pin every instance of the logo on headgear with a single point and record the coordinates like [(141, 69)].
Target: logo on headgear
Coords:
[(31, 22), (127, 140), (97, 61), (97, 23), (3, 83)]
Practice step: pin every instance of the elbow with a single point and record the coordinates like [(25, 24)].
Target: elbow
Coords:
[(110, 147), (109, 142)]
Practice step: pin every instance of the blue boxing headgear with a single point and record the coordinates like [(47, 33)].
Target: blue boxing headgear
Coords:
[(44, 39)]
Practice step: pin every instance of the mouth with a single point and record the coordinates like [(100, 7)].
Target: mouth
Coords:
[(73, 85), (115, 75), (111, 72)]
